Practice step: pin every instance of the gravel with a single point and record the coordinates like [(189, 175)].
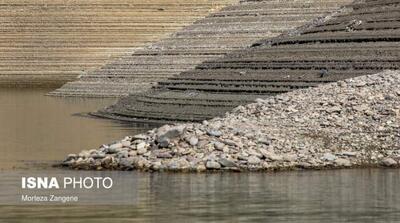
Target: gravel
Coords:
[(351, 123)]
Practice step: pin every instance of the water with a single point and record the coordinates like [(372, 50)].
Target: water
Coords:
[(313, 196), (41, 130)]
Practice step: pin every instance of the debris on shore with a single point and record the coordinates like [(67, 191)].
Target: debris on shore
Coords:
[(351, 123)]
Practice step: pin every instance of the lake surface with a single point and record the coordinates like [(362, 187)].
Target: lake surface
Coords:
[(36, 131)]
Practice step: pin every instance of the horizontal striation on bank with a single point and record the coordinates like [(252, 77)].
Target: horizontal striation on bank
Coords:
[(361, 39), (232, 28), (50, 42)]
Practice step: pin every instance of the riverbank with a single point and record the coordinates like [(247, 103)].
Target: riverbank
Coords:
[(351, 123)]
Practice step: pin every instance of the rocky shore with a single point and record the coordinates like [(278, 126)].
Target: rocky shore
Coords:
[(351, 123)]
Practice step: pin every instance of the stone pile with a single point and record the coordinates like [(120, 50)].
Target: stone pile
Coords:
[(351, 123)]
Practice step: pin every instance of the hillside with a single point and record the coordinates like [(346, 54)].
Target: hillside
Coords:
[(50, 42), (232, 28), (362, 39)]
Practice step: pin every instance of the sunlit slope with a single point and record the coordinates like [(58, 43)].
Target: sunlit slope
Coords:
[(232, 28), (52, 41)]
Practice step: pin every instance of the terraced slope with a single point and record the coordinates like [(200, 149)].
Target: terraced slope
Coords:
[(232, 28), (46, 42), (363, 40)]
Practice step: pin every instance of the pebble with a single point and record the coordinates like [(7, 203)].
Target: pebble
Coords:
[(253, 160), (125, 143), (389, 162), (116, 146), (329, 157), (215, 133), (265, 141), (193, 141), (163, 143), (170, 132), (227, 163), (213, 165), (140, 137), (219, 146), (141, 150), (141, 146), (343, 162)]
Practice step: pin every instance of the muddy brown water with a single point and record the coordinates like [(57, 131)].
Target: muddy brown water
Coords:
[(36, 131), (39, 129)]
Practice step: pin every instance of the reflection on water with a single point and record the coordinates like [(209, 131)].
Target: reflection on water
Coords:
[(320, 196), (36, 128)]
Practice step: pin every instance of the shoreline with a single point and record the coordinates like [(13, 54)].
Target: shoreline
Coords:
[(377, 166), (351, 123)]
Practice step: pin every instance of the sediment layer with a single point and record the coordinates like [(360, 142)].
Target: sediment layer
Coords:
[(351, 123), (50, 42), (362, 39), (232, 28)]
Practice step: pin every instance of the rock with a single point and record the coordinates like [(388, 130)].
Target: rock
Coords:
[(83, 164), (214, 132), (304, 165), (243, 157), (132, 153), (173, 165), (163, 154), (329, 157), (343, 162), (253, 160), (193, 141), (141, 149), (227, 163), (212, 165), (229, 142), (202, 144), (183, 164), (116, 146), (125, 143), (123, 154), (180, 164), (141, 145), (107, 161), (349, 153), (140, 137), (111, 150), (265, 141), (271, 155), (156, 166), (334, 109), (219, 146), (84, 154), (290, 157), (163, 142), (167, 132), (255, 153), (388, 162), (70, 157), (201, 168), (126, 164)]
